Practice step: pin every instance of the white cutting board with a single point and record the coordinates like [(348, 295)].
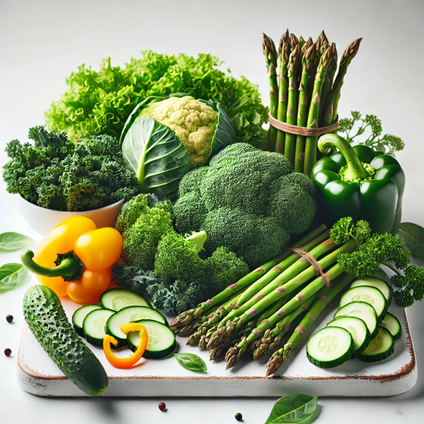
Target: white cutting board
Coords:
[(39, 375)]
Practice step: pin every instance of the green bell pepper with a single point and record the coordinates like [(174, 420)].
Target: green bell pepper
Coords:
[(358, 182)]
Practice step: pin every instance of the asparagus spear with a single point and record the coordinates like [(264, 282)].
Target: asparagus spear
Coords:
[(291, 117), (272, 337), (345, 61), (236, 352), (283, 55), (302, 113), (313, 115), (325, 297), (225, 332), (270, 52), (326, 109)]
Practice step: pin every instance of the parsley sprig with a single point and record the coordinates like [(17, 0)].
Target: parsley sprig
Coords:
[(356, 126)]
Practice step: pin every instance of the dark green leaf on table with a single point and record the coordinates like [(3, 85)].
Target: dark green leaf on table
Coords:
[(11, 276), (413, 236), (191, 362), (296, 408), (11, 241)]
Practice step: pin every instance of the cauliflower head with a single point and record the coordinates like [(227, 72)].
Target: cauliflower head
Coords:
[(193, 121)]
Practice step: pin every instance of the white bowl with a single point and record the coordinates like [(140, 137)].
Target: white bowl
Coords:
[(43, 220)]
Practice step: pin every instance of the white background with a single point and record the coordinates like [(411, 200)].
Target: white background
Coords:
[(43, 41)]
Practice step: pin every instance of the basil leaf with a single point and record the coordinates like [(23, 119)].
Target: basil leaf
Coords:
[(413, 237), (11, 241), (191, 362), (12, 276), (297, 408)]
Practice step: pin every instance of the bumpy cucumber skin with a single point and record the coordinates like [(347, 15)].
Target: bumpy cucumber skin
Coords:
[(48, 322)]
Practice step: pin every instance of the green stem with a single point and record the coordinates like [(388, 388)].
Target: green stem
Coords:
[(354, 170), (68, 266)]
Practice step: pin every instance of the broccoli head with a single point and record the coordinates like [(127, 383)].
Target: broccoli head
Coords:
[(248, 200)]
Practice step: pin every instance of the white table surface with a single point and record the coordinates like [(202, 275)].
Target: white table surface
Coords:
[(42, 42)]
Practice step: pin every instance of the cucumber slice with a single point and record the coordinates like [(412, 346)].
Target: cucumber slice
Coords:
[(364, 311), (367, 294), (161, 339), (391, 323), (381, 347), (79, 315), (357, 329), (378, 284), (94, 325), (131, 314), (330, 347), (118, 299)]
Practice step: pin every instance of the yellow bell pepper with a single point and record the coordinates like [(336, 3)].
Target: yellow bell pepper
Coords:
[(76, 259)]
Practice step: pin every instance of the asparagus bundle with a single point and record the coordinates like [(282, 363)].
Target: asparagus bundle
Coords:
[(255, 319), (305, 93)]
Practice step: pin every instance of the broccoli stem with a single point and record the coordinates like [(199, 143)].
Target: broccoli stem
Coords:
[(197, 239)]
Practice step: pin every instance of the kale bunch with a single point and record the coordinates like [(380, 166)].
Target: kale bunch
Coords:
[(56, 173)]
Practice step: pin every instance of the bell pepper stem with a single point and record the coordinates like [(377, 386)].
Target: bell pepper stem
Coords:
[(355, 170), (68, 266)]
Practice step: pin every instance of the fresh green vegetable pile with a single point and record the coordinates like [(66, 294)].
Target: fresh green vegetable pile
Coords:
[(56, 173), (248, 200), (166, 265), (100, 101), (163, 139), (305, 93)]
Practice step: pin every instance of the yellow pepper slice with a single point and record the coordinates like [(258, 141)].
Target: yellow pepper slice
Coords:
[(130, 361)]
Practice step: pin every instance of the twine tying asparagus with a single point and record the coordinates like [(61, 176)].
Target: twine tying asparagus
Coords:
[(314, 263), (304, 131)]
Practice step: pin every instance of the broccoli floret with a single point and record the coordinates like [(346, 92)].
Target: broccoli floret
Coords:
[(223, 269), (177, 257), (190, 212), (191, 181), (249, 200), (295, 207), (142, 238)]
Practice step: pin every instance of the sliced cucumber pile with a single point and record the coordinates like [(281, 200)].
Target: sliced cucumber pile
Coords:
[(362, 313), (118, 307)]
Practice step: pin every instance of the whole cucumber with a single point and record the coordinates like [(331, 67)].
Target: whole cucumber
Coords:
[(48, 322)]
